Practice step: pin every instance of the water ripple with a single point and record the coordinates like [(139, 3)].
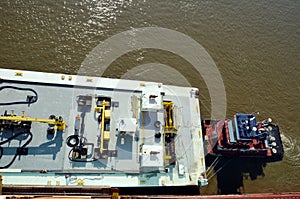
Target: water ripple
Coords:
[(291, 149)]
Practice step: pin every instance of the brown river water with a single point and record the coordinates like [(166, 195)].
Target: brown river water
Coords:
[(254, 44)]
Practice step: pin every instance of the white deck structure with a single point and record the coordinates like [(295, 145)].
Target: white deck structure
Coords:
[(124, 133)]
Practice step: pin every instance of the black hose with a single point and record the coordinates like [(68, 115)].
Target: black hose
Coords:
[(79, 160), (20, 102), (16, 154), (72, 140)]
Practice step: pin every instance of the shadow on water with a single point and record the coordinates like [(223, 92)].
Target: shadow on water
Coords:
[(230, 172)]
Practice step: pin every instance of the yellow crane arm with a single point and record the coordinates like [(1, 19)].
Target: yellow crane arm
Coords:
[(58, 121), (102, 110)]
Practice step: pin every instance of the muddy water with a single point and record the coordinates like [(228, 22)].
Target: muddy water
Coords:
[(255, 45)]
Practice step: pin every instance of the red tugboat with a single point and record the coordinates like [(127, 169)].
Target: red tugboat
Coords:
[(243, 136)]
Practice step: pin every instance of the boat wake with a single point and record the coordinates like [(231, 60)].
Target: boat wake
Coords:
[(291, 149)]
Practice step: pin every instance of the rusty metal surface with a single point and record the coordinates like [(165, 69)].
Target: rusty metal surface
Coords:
[(294, 195), (82, 191), (290, 195)]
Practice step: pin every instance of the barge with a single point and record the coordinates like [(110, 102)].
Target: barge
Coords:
[(70, 130)]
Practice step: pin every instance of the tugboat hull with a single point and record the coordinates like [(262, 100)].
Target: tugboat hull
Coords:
[(243, 137)]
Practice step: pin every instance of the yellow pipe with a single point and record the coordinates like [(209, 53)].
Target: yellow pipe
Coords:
[(169, 121), (102, 127), (59, 123)]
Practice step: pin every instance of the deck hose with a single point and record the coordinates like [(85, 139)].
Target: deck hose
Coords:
[(16, 154), (29, 100)]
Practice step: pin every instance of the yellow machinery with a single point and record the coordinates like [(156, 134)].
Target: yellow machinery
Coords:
[(169, 113), (170, 132), (105, 114), (60, 125)]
